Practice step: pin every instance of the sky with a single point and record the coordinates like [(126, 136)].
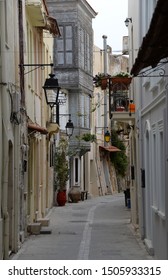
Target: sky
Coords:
[(110, 22)]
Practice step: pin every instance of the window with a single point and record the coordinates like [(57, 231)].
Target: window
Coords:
[(85, 61), (84, 111), (82, 49), (158, 172), (88, 60), (30, 52), (65, 46), (76, 171), (51, 154), (155, 184), (161, 183), (6, 21)]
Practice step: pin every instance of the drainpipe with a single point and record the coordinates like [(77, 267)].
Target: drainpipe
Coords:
[(21, 52), (105, 91)]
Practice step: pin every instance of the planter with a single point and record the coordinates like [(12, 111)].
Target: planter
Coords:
[(74, 194), (123, 80), (61, 198), (104, 83)]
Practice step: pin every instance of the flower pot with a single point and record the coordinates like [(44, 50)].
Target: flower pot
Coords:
[(103, 84), (123, 80), (61, 198)]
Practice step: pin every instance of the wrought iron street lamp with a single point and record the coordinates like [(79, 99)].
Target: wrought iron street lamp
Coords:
[(51, 89), (69, 128)]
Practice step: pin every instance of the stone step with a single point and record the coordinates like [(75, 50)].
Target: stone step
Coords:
[(34, 228), (44, 222), (45, 230)]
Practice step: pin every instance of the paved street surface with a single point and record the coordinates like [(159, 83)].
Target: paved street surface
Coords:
[(94, 229)]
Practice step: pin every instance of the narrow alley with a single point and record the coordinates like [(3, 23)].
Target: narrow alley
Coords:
[(95, 229)]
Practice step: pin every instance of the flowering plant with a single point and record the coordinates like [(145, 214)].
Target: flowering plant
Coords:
[(122, 74)]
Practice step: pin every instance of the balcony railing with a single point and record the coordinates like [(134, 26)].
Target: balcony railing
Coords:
[(120, 102)]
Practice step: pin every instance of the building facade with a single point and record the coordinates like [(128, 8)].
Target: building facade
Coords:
[(26, 187), (103, 174), (9, 128), (73, 67), (150, 92)]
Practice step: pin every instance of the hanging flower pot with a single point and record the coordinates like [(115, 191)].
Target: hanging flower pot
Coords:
[(124, 80), (101, 80), (121, 81), (103, 83)]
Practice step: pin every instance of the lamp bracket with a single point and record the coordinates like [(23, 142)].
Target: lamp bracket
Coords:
[(65, 115), (157, 71), (42, 66)]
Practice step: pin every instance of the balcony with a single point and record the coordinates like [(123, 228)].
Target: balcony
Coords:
[(37, 12), (122, 109)]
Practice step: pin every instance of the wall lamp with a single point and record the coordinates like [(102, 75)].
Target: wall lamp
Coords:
[(107, 136), (51, 89), (127, 21)]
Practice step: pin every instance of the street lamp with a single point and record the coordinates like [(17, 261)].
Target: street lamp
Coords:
[(69, 128), (51, 89), (107, 137)]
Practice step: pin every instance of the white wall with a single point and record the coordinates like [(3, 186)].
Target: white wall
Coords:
[(150, 99)]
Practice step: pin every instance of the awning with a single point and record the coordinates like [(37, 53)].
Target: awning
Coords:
[(35, 127), (52, 26), (110, 149), (155, 44)]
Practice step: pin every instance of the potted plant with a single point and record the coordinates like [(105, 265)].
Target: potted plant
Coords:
[(100, 80), (87, 137), (61, 171), (121, 78)]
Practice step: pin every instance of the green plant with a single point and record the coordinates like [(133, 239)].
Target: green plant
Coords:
[(119, 159), (87, 137), (61, 169), (97, 79)]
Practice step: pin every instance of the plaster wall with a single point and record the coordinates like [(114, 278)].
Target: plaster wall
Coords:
[(150, 98)]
